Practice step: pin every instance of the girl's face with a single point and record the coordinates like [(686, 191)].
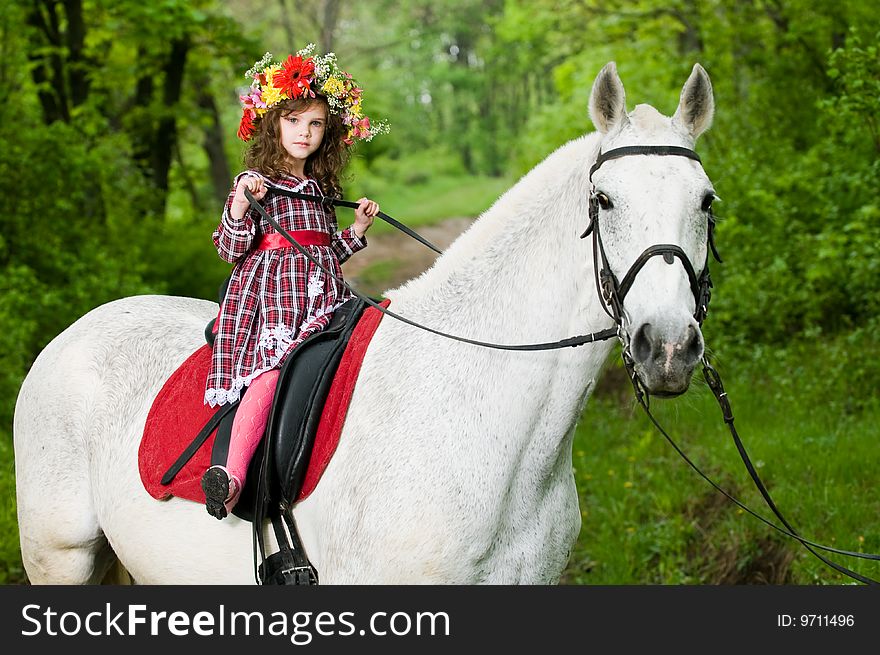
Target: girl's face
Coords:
[(301, 134)]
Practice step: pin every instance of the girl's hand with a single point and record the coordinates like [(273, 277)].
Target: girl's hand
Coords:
[(252, 183), (364, 215)]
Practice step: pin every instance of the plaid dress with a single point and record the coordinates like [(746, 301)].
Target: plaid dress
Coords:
[(276, 298)]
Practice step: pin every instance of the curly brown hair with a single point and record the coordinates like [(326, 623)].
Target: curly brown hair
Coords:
[(267, 155)]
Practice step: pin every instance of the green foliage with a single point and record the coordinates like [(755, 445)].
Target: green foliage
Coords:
[(11, 569), (119, 146), (67, 247), (855, 70), (803, 234)]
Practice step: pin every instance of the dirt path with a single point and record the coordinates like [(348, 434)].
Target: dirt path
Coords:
[(392, 258)]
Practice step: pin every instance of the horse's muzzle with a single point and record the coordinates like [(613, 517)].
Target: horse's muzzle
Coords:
[(664, 356)]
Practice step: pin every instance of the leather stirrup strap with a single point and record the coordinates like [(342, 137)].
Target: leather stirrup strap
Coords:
[(306, 573), (295, 568), (196, 443)]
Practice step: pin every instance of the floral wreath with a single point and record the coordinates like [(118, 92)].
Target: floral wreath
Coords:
[(301, 76)]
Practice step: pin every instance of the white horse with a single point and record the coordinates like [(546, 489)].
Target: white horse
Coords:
[(454, 465)]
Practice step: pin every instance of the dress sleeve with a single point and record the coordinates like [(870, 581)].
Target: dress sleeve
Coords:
[(233, 238), (345, 242)]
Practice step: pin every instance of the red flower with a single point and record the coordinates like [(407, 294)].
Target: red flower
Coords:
[(294, 76), (246, 127)]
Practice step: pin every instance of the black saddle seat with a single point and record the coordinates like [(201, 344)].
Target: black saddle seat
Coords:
[(276, 472)]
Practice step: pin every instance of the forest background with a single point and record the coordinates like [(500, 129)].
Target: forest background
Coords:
[(118, 122)]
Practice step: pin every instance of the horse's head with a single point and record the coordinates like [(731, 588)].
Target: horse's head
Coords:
[(651, 215)]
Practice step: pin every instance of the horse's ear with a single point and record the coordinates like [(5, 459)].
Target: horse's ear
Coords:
[(697, 104), (607, 99)]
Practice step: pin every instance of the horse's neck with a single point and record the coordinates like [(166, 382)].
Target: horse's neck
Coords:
[(521, 274), (522, 259)]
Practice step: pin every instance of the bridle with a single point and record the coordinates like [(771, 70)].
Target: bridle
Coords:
[(612, 294)]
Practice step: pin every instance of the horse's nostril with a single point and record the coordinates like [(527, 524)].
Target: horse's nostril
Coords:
[(641, 343), (693, 344)]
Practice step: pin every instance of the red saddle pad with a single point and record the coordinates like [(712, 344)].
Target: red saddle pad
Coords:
[(178, 414)]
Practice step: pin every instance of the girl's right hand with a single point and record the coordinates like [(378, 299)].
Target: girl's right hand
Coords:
[(252, 183)]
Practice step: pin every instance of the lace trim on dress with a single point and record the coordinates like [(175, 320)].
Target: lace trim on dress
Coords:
[(319, 313), (279, 337), (316, 284), (299, 187), (216, 397), (228, 220)]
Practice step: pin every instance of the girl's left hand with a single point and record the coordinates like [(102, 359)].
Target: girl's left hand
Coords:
[(364, 215)]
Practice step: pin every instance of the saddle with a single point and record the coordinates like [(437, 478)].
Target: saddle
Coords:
[(278, 468)]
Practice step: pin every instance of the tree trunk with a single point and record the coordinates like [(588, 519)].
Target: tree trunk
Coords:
[(213, 145), (329, 21), (166, 130), (48, 73), (76, 68), (141, 130)]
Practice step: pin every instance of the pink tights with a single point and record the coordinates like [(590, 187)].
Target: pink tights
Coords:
[(250, 423)]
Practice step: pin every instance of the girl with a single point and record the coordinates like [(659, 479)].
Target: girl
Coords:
[(303, 115)]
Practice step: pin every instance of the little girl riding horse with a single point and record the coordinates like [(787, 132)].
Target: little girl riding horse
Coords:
[(303, 116)]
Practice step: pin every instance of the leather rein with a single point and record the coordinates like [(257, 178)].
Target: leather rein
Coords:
[(612, 293), (570, 342)]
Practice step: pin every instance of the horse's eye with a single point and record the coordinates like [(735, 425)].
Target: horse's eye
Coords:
[(603, 200), (707, 201)]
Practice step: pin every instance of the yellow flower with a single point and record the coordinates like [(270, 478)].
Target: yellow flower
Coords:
[(332, 86), (355, 110), (270, 73), (272, 94)]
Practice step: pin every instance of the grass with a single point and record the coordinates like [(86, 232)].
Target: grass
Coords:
[(422, 188), (372, 279), (649, 519)]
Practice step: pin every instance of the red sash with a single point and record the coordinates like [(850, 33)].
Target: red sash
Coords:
[(274, 240)]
